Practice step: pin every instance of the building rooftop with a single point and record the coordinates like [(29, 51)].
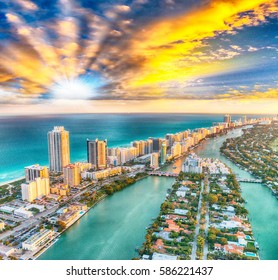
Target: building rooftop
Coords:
[(35, 166), (37, 236), (157, 256)]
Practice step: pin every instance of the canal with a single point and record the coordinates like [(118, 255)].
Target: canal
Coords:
[(117, 225), (114, 227), (261, 204)]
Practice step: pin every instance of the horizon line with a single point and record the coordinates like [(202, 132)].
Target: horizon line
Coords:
[(136, 113)]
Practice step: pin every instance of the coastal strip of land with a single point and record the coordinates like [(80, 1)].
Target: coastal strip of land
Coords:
[(202, 217), (256, 152), (51, 218)]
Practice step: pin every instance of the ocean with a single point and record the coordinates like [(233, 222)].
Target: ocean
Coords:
[(23, 140)]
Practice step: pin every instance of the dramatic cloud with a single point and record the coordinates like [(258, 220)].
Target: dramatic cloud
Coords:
[(137, 50)]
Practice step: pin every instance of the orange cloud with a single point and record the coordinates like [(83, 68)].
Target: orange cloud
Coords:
[(271, 93), (171, 45)]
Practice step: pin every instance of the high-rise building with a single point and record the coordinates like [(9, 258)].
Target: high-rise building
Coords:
[(35, 189), (115, 152), (163, 152), (192, 164), (227, 118), (170, 138), (176, 149), (154, 160), (186, 133), (142, 148), (58, 148), (244, 120), (34, 171), (97, 153), (149, 146), (156, 144), (135, 144), (72, 176), (127, 154), (29, 191)]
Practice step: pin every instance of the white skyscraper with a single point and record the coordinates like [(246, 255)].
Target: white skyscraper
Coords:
[(58, 148)]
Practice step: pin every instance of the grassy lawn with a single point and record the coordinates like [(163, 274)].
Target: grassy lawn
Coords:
[(250, 247)]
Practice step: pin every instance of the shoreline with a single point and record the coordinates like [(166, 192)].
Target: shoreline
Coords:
[(125, 145), (151, 230), (12, 181), (52, 242), (247, 170), (172, 162)]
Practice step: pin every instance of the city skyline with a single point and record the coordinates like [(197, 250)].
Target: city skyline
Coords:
[(138, 56)]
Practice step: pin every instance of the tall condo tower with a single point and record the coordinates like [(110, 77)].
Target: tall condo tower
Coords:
[(227, 118), (58, 148), (163, 153), (97, 153)]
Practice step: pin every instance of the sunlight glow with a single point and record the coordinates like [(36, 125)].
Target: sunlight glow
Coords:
[(72, 89)]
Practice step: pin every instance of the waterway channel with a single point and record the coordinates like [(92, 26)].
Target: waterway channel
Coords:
[(117, 225)]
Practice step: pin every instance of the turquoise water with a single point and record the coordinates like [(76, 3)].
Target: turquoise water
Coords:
[(261, 204), (92, 237), (23, 140), (114, 227)]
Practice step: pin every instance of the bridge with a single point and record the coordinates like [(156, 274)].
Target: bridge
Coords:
[(248, 180), (164, 174)]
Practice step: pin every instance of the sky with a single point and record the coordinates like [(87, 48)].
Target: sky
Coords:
[(194, 56)]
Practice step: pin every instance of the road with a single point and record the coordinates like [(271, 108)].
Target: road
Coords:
[(34, 221), (28, 224), (11, 218), (194, 247), (207, 222)]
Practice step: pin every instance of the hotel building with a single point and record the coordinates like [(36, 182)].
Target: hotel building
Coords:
[(58, 148), (170, 138), (35, 189), (97, 153), (35, 171), (227, 118), (154, 160), (72, 176), (176, 149), (149, 146), (192, 164), (156, 144), (163, 152)]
